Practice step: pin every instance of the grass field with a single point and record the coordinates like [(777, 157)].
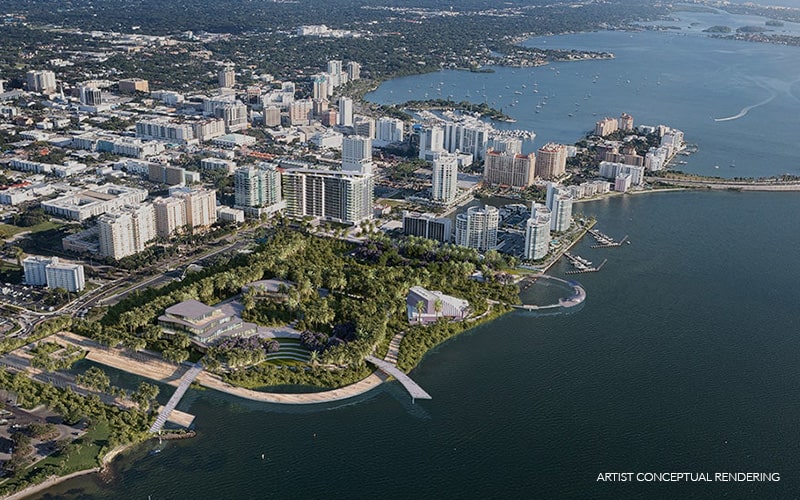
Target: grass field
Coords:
[(7, 230)]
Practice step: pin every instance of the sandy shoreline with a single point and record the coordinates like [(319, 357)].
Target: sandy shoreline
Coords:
[(54, 480)]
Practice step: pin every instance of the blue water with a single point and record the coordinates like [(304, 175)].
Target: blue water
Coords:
[(685, 81)]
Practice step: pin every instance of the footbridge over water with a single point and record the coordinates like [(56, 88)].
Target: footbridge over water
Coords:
[(390, 369), (186, 381)]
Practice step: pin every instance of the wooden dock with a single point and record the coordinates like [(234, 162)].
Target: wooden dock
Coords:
[(605, 241)]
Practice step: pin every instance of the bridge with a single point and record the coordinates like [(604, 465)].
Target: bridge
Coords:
[(186, 381), (391, 369)]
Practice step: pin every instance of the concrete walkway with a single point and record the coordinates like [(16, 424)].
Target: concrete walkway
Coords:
[(154, 367)]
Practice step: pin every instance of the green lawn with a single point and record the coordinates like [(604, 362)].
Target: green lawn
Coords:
[(84, 458), (7, 230)]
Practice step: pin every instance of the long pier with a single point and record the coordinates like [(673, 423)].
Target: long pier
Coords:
[(390, 369), (186, 381)]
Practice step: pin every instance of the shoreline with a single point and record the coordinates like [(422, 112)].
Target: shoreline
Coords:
[(54, 480)]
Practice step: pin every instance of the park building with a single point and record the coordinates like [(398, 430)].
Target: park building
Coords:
[(477, 228), (445, 178), (340, 196), (427, 306), (53, 273), (204, 324), (427, 226), (537, 232), (509, 169), (551, 161)]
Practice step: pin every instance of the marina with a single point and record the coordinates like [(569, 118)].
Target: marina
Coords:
[(582, 265), (605, 241)]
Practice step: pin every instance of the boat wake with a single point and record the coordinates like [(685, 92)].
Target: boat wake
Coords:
[(747, 109)]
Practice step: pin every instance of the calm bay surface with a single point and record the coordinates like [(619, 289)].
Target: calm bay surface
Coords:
[(682, 79), (682, 359)]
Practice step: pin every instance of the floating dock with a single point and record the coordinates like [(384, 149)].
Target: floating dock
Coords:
[(605, 241)]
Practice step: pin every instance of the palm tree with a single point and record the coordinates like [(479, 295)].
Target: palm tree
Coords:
[(437, 306), (420, 307), (314, 358)]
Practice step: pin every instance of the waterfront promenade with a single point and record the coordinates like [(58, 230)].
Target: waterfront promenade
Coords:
[(727, 184), (152, 366)]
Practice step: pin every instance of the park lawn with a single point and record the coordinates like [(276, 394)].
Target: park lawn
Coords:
[(10, 230), (85, 458)]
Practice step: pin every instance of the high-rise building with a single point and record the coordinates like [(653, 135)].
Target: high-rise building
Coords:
[(257, 186), (272, 116), (345, 112), (389, 130), (319, 88), (342, 196), (606, 126), (561, 210), (170, 215), (477, 228), (41, 81), (234, 114), (90, 96), (467, 137), (626, 122), (431, 141), (364, 126), (551, 161), (127, 231), (54, 273), (34, 268), (65, 275), (511, 145), (201, 206), (537, 233), (357, 154), (227, 77), (301, 112), (427, 226), (509, 169), (165, 130), (336, 75), (132, 85), (445, 177), (353, 71)]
